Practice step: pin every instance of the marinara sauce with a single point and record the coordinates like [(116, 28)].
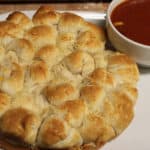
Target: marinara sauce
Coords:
[(132, 18)]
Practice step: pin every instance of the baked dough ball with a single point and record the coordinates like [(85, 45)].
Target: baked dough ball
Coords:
[(23, 48), (41, 35), (89, 42), (123, 68), (46, 15), (8, 32), (20, 19), (21, 124), (49, 54), (101, 77), (70, 23), (39, 72), (96, 129), (66, 42), (73, 111), (94, 96), (121, 109), (79, 62), (56, 133), (59, 87), (97, 30), (58, 94), (12, 79), (9, 28)]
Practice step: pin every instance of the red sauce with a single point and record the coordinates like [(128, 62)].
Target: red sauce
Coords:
[(132, 18)]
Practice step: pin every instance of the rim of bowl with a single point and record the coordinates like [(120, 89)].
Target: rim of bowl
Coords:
[(108, 15)]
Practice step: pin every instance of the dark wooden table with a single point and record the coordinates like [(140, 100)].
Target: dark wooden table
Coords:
[(99, 7)]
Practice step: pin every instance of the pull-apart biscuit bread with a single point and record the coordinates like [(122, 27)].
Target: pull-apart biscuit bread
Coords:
[(59, 87)]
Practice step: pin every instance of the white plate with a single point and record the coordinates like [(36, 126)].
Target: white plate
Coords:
[(137, 135)]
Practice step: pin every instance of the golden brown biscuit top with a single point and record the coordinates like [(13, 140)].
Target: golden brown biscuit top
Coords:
[(21, 19), (10, 29), (46, 15), (59, 87)]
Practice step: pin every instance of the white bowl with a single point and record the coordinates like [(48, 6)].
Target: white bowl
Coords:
[(139, 52)]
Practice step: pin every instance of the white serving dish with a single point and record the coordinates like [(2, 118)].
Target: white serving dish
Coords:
[(139, 52)]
